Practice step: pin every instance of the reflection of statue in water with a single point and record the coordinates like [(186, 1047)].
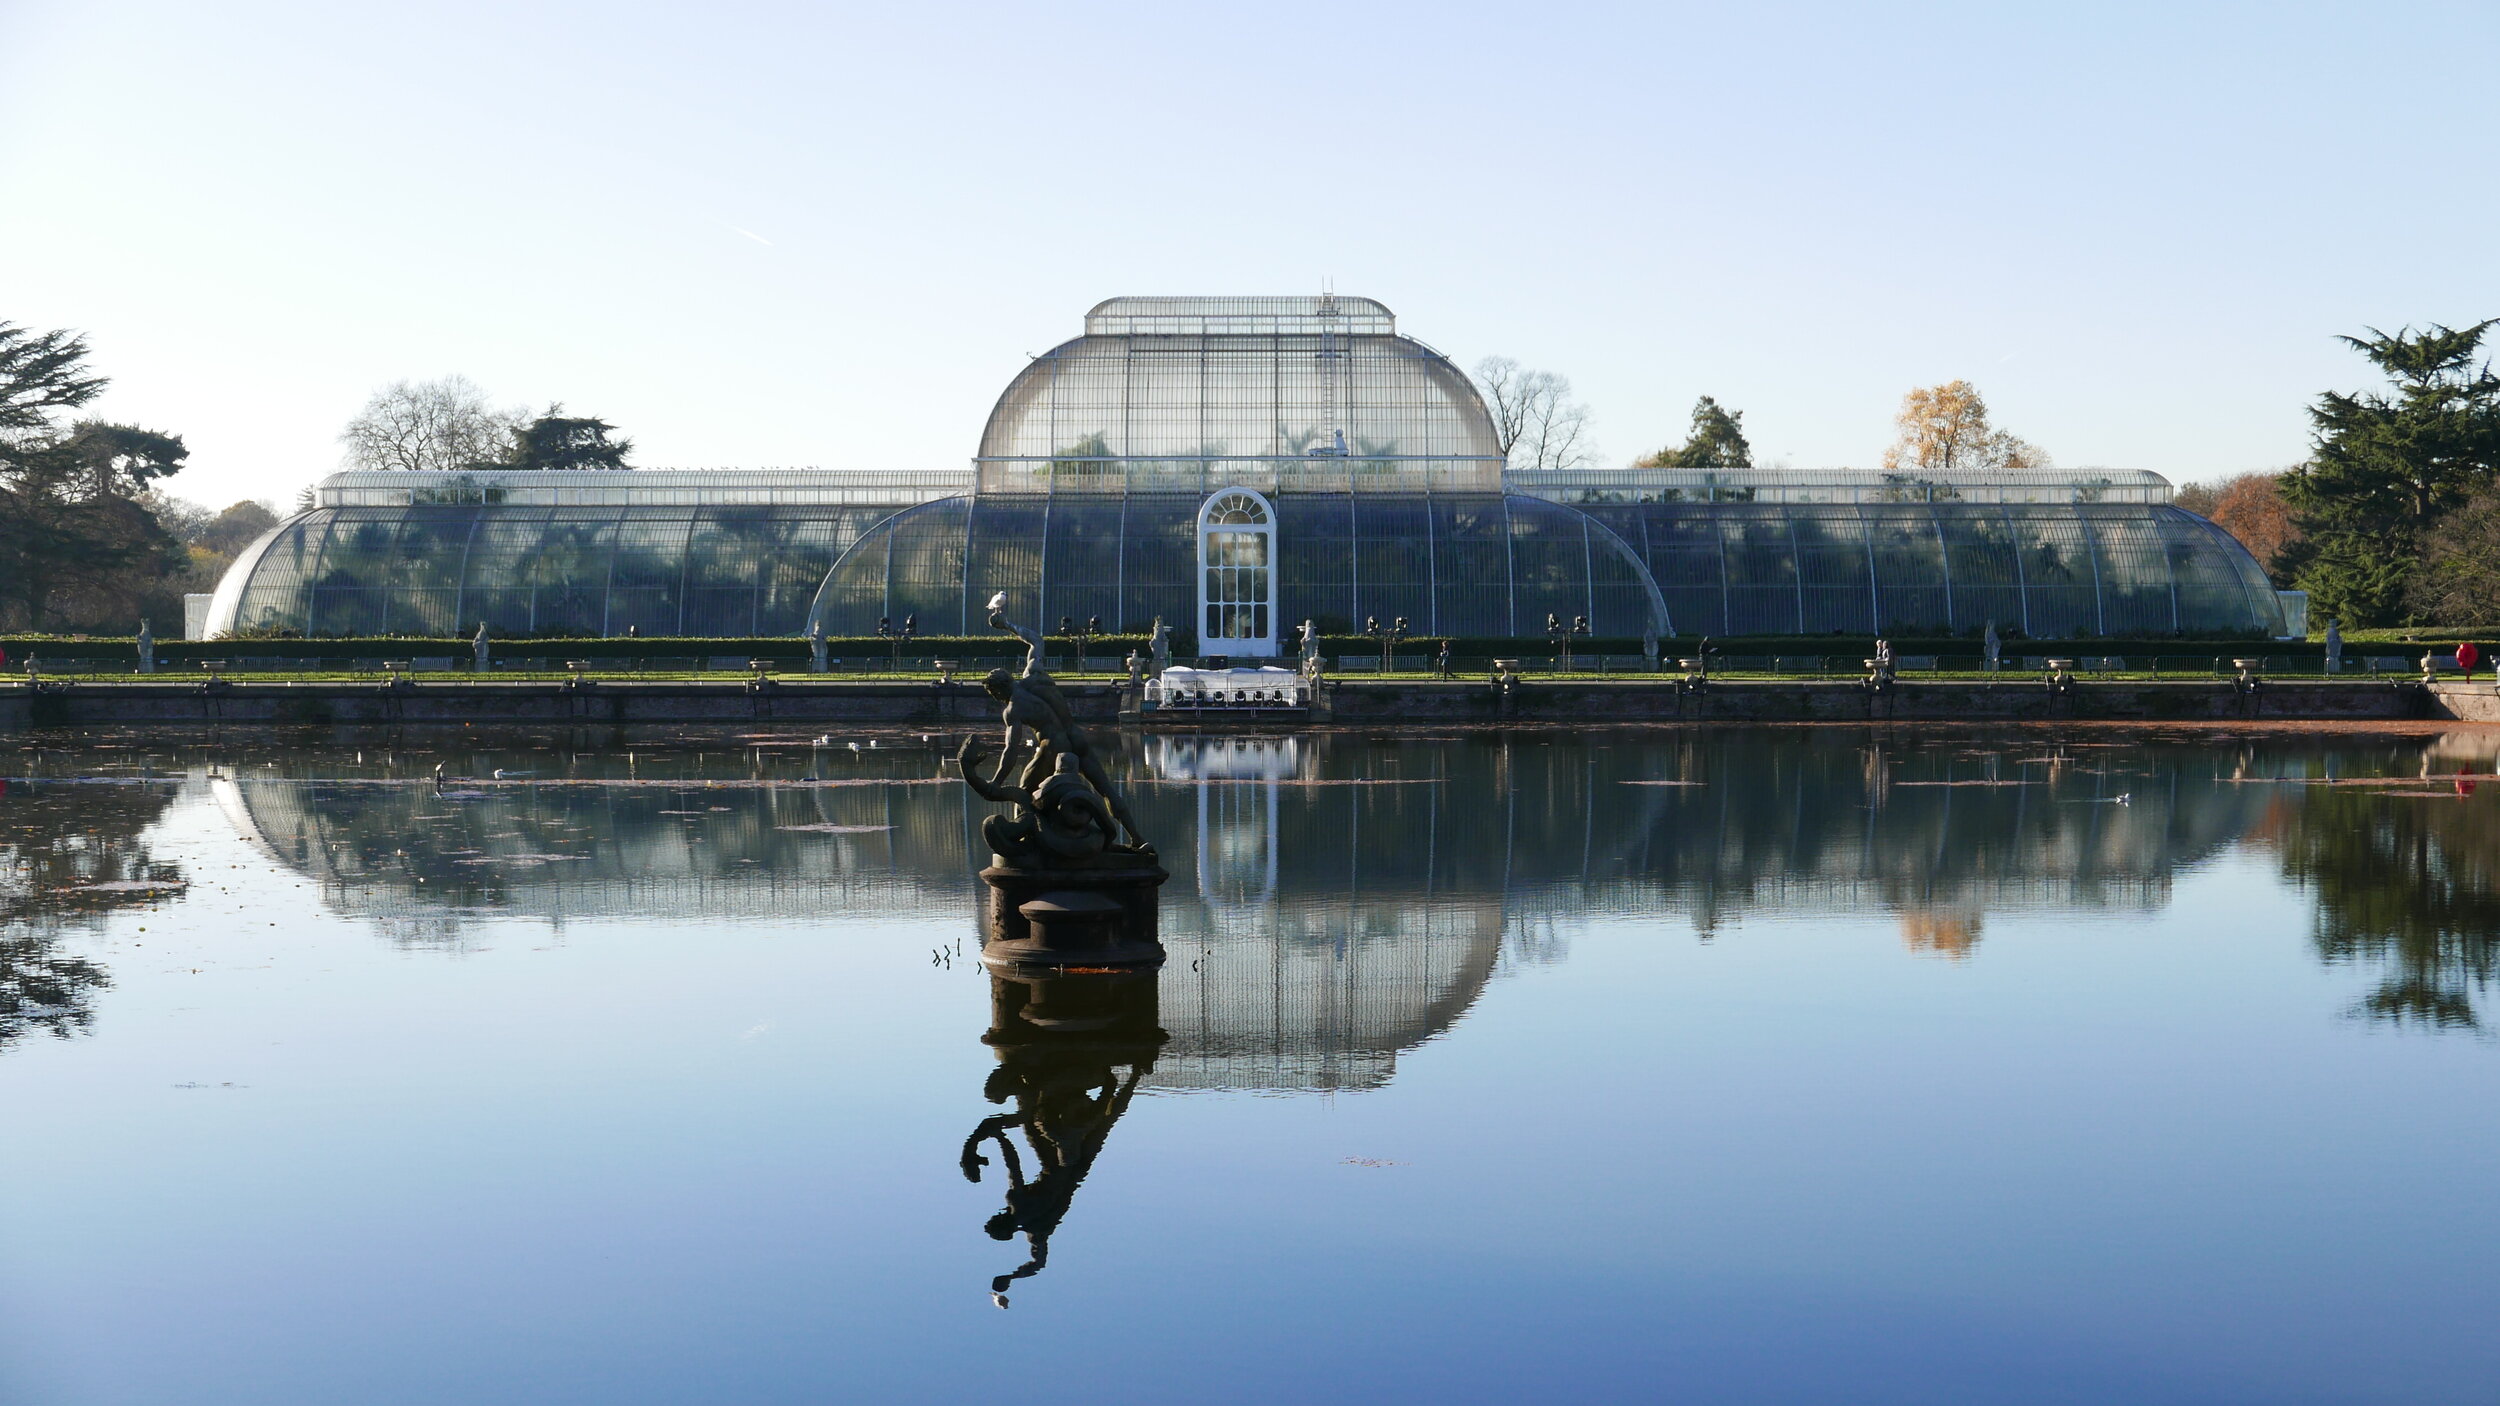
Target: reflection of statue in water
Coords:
[(1035, 705), (1064, 1108), (1071, 1053)]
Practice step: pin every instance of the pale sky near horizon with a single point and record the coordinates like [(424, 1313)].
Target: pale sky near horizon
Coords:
[(773, 234)]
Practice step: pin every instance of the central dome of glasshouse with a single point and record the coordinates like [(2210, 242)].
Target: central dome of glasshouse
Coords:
[(1233, 467), (1197, 386)]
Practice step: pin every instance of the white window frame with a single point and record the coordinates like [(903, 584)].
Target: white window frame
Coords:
[(1262, 646)]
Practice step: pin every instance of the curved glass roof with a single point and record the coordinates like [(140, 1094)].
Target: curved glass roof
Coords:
[(1117, 317), (370, 488), (1842, 485), (438, 571), (1453, 564), (1456, 564), (2051, 571), (1224, 385)]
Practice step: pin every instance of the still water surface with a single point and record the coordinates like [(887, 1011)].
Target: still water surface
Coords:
[(1808, 1065)]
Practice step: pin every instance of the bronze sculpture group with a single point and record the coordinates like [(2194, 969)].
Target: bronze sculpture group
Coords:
[(1072, 882), (1067, 811), (1070, 940)]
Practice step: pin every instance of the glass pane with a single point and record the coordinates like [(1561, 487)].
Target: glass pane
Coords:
[(1156, 566), (1315, 560), (1471, 577)]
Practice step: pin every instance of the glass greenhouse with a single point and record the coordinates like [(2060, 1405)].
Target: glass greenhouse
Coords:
[(1233, 467), (439, 568), (2051, 571), (1455, 564)]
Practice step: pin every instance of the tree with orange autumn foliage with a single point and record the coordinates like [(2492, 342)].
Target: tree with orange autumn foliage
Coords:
[(2251, 508), (1943, 428)]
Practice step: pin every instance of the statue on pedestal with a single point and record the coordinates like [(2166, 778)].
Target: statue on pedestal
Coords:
[(2334, 649), (147, 649), (1072, 882), (1158, 641), (815, 646), (1034, 704), (1992, 646), (477, 647)]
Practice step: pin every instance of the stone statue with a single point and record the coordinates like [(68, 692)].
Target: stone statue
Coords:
[(1309, 636), (1649, 646), (1136, 669), (2334, 649), (478, 646), (1033, 704), (147, 649), (1991, 646), (1158, 642), (816, 646)]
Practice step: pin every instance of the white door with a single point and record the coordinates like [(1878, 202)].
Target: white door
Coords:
[(1236, 575)]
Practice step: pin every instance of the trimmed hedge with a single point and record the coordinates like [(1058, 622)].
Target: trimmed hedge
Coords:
[(123, 652), (784, 647)]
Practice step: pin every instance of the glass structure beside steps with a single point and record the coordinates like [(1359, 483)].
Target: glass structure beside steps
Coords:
[(1233, 467)]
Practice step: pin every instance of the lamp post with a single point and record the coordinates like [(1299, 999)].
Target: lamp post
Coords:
[(897, 638), (1084, 635), (1388, 637), (1561, 635)]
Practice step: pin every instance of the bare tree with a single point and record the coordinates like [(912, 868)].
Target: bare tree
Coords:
[(1537, 423), (2460, 575), (430, 426)]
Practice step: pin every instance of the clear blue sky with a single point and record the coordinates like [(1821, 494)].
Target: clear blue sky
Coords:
[(775, 234)]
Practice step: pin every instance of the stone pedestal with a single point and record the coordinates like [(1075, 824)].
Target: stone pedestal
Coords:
[(1110, 1013), (1049, 919)]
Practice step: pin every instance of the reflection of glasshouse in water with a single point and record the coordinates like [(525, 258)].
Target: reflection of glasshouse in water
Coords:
[(1333, 903), (1234, 466)]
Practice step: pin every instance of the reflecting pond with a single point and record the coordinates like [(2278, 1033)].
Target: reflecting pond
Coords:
[(1748, 1065)]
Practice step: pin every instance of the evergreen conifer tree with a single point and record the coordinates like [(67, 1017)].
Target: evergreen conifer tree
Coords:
[(1716, 441), (2386, 464)]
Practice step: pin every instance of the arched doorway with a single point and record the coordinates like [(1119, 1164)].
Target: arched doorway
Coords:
[(1236, 574)]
